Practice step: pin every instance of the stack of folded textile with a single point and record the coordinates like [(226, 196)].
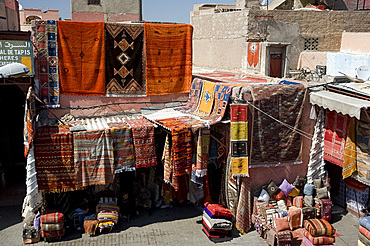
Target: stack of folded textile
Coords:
[(52, 225), (364, 231), (318, 232), (107, 216), (217, 221)]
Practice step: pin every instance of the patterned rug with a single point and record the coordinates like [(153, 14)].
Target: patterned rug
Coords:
[(206, 99), (363, 150), (168, 53), (93, 157), (167, 163), (54, 159), (81, 47), (231, 186), (243, 212), (124, 159), (47, 47), (336, 130), (350, 155), (203, 143), (144, 145), (274, 143), (239, 139), (29, 113), (124, 59), (194, 96)]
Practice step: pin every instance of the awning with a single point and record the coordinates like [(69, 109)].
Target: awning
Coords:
[(339, 103)]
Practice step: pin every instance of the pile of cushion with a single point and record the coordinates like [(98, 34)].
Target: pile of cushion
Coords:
[(52, 225), (364, 231), (217, 221), (318, 232)]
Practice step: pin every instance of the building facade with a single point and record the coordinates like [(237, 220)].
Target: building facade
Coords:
[(27, 15)]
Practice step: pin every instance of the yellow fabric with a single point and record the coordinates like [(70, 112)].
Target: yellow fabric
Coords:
[(239, 166), (239, 130), (206, 100), (294, 192), (350, 156)]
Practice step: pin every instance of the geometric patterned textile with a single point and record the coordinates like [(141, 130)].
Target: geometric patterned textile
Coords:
[(243, 212), (47, 53), (194, 96), (124, 59), (81, 47), (350, 155), (144, 145), (363, 150), (206, 99), (168, 54), (239, 139), (336, 129), (54, 159), (29, 113), (277, 113), (93, 157), (357, 200), (204, 138)]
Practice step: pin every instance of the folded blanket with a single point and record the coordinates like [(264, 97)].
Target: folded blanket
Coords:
[(319, 227), (213, 223), (214, 216), (364, 231), (49, 234), (306, 242), (320, 239), (214, 235), (218, 210), (52, 218), (214, 231), (52, 227), (365, 222), (108, 216)]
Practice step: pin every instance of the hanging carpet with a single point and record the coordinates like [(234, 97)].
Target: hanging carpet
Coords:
[(194, 96), (81, 57), (29, 113), (93, 157), (54, 159), (168, 54), (124, 59)]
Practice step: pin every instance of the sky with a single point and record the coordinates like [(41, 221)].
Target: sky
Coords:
[(153, 10)]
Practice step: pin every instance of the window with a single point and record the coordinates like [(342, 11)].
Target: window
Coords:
[(93, 2), (311, 43)]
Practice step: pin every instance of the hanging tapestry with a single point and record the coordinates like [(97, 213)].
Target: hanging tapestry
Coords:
[(167, 163), (144, 145), (194, 96), (350, 155), (124, 59), (168, 54), (93, 157), (47, 47), (336, 129), (206, 99), (123, 148), (239, 139), (81, 58), (243, 212), (181, 151), (277, 113), (231, 187), (363, 150), (253, 54), (29, 113), (203, 141), (221, 99), (54, 159)]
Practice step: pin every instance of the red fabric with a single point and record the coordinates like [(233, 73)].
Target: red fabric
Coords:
[(354, 184), (52, 218), (336, 129), (218, 210), (326, 209), (49, 234), (298, 201), (364, 231), (211, 235), (320, 239)]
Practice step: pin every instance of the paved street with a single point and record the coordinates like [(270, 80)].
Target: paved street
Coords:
[(176, 226)]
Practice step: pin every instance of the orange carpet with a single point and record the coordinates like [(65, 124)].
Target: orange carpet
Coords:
[(168, 53), (81, 57)]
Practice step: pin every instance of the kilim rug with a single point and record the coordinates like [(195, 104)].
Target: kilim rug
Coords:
[(363, 150), (144, 145), (206, 99), (194, 97), (93, 157), (203, 141), (123, 145), (273, 142), (168, 54), (47, 53), (336, 130), (81, 57), (124, 59), (29, 113), (54, 159), (243, 212), (239, 139), (231, 187), (350, 155), (167, 163)]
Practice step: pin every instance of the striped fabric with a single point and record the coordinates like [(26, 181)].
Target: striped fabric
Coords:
[(365, 222), (52, 227), (306, 242), (319, 227), (49, 234), (107, 207), (363, 239), (364, 231), (319, 240), (108, 216), (123, 149), (298, 201), (52, 218)]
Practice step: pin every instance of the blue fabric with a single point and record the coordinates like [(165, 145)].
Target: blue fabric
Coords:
[(214, 217), (365, 222), (308, 189)]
